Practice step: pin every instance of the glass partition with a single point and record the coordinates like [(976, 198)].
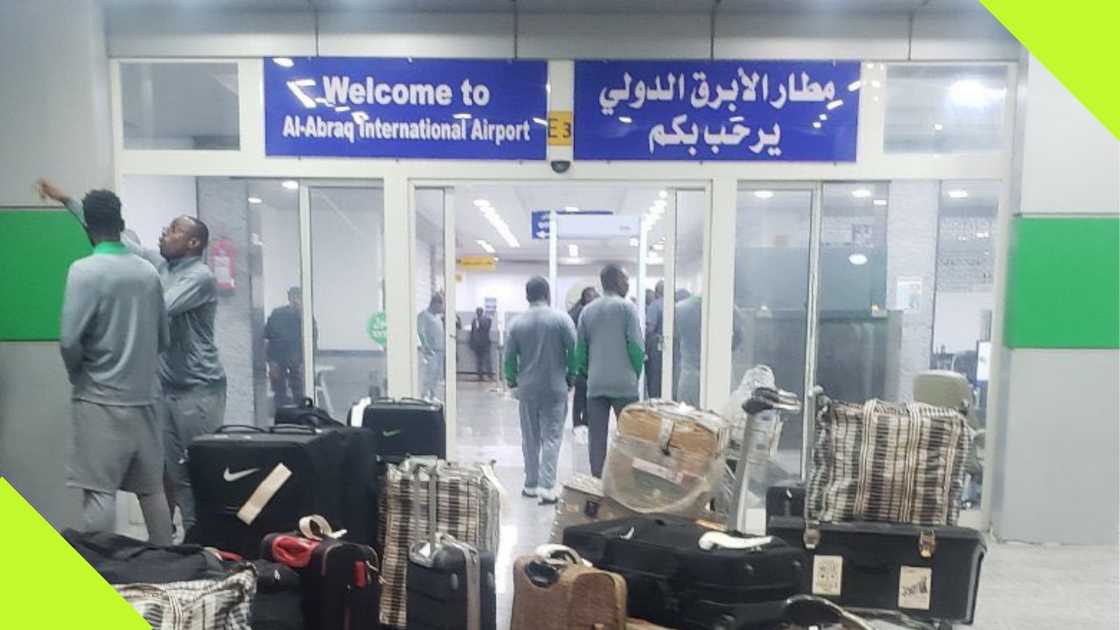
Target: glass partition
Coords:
[(945, 108), (187, 106)]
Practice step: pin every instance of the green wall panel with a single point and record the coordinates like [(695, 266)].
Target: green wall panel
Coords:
[(1064, 284), (36, 249)]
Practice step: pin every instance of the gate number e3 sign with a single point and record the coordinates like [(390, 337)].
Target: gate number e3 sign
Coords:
[(560, 128)]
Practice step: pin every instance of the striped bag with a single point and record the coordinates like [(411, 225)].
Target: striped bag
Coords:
[(879, 461), (467, 506), (220, 604)]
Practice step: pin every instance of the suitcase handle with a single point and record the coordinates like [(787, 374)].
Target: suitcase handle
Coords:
[(239, 428), (293, 428), (406, 400)]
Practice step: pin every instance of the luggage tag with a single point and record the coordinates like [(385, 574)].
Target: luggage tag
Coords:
[(264, 493)]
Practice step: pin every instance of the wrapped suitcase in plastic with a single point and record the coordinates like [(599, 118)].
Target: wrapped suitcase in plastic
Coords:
[(555, 589), (666, 457), (450, 586), (675, 567), (423, 496), (582, 501)]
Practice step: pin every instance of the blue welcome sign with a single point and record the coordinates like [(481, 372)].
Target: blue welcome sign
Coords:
[(406, 108), (717, 110)]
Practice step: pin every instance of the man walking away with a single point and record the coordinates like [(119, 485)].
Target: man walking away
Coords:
[(429, 326), (609, 352), (193, 381), (579, 401), (113, 328), (480, 342), (653, 341), (283, 337), (540, 358)]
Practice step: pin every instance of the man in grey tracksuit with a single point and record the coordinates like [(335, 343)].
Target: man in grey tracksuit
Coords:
[(429, 327), (193, 402), (540, 361), (113, 328), (610, 352)]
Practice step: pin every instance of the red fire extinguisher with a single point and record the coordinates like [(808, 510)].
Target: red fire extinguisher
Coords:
[(221, 261)]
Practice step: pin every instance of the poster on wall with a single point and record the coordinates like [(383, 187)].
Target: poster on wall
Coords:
[(717, 110), (406, 108)]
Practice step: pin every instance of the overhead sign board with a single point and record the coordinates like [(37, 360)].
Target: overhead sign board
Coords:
[(541, 223), (717, 110), (477, 263), (405, 108), (560, 128)]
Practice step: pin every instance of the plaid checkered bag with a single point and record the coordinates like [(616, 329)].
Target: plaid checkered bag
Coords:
[(196, 605), (879, 461), (467, 506)]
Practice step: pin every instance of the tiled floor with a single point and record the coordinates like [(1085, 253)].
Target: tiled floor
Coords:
[(1023, 587)]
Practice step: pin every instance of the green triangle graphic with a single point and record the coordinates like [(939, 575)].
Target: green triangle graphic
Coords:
[(1077, 43), (46, 584)]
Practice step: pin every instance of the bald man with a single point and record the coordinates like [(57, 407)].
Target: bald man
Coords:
[(191, 375)]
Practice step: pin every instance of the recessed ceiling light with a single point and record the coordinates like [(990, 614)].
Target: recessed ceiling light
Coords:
[(663, 194), (938, 126), (290, 184), (823, 116), (764, 194), (858, 259), (816, 124), (283, 62), (254, 199), (658, 246), (880, 202), (634, 242), (834, 104), (854, 85), (573, 251), (958, 194), (481, 203), (861, 193), (876, 84), (983, 234), (625, 119)]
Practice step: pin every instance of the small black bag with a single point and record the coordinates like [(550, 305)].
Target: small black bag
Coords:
[(677, 570), (307, 414), (450, 587), (930, 573), (407, 426)]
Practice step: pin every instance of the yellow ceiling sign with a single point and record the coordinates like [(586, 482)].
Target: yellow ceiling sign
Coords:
[(477, 263), (560, 128)]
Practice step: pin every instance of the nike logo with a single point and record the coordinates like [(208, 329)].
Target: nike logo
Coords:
[(228, 476), (392, 433)]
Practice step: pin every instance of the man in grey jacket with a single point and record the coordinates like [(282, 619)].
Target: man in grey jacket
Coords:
[(113, 328), (540, 361), (192, 378), (610, 352)]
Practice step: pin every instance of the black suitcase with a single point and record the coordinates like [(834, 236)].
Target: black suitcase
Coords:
[(927, 573), (339, 579), (670, 577), (407, 426), (450, 583), (305, 413), (229, 467), (785, 500)]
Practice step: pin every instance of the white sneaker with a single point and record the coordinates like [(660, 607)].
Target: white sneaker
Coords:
[(530, 493), (580, 435), (548, 497)]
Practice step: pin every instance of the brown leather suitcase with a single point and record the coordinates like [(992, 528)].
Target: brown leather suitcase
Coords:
[(555, 589)]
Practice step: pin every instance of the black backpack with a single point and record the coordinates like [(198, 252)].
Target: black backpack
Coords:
[(305, 413)]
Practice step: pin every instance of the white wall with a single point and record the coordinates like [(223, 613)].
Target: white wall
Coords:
[(957, 323), (150, 202)]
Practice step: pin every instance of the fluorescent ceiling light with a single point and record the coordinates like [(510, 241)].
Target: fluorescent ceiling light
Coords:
[(854, 85), (816, 124), (938, 126), (834, 104), (983, 234), (880, 202), (958, 194), (486, 247), (858, 259), (481, 203), (571, 209), (861, 193), (461, 116), (625, 119), (663, 194), (342, 108), (254, 199), (283, 62), (540, 121), (764, 194), (573, 251), (290, 184), (823, 117)]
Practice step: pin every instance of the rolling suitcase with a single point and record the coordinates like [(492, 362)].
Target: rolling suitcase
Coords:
[(582, 501), (450, 586), (307, 414), (930, 573), (407, 426), (672, 565), (339, 579), (554, 589), (249, 482)]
